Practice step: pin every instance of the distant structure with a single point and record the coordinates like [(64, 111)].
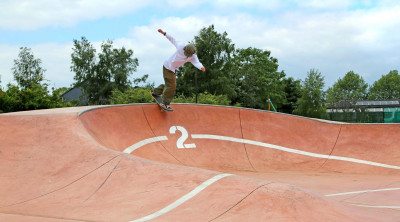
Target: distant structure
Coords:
[(384, 111), (75, 94)]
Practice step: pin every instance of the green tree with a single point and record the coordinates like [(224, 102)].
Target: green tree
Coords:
[(2, 98), (131, 95), (351, 88), (257, 79), (30, 93), (293, 93), (27, 70), (215, 53), (2, 101), (12, 99), (387, 87), (204, 98), (99, 76), (56, 97), (32, 98), (36, 97), (83, 59), (312, 100)]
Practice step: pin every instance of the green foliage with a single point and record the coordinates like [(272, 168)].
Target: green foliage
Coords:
[(83, 61), (142, 95), (2, 101), (293, 93), (58, 92), (351, 88), (184, 99), (257, 79), (32, 98), (30, 93), (27, 70), (215, 52), (312, 100), (132, 95), (142, 79), (204, 98), (387, 87), (99, 76)]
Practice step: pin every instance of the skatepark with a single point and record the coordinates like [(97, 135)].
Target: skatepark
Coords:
[(198, 163)]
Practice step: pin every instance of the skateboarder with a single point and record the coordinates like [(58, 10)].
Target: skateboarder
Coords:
[(184, 53)]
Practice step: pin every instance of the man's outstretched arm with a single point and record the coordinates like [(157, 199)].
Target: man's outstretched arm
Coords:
[(197, 63), (169, 37)]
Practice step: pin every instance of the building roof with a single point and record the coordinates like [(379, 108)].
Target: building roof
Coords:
[(366, 103)]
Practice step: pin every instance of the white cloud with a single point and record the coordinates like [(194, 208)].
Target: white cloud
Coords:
[(184, 4), (31, 15), (326, 4), (56, 59), (260, 5), (7, 55)]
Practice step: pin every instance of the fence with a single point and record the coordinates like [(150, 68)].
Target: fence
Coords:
[(384, 115)]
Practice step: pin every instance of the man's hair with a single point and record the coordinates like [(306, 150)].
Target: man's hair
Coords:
[(189, 50)]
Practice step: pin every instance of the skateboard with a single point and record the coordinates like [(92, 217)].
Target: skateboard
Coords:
[(159, 100)]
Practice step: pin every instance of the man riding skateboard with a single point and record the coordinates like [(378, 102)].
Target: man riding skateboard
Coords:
[(184, 53)]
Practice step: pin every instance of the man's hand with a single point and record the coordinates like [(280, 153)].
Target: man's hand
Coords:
[(161, 31), (203, 69)]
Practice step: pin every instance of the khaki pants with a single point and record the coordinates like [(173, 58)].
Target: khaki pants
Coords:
[(167, 91)]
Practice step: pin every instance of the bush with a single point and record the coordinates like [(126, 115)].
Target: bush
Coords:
[(32, 98), (204, 98), (142, 95), (132, 95)]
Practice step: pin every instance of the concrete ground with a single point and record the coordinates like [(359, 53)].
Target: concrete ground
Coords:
[(198, 163)]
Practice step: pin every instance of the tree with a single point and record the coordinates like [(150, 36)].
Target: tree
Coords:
[(257, 79), (351, 88), (113, 69), (293, 93), (312, 100), (27, 70), (387, 87), (2, 100), (83, 59), (215, 53), (131, 95), (204, 98), (99, 76), (11, 99), (32, 98), (30, 93)]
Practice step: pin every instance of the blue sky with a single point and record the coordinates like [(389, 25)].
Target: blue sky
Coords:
[(333, 36)]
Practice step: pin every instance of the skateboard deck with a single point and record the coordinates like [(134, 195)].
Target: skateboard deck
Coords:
[(159, 100)]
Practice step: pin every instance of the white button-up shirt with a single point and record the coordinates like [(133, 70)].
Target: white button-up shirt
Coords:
[(178, 58)]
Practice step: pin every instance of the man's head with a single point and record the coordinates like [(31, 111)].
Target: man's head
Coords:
[(189, 50)]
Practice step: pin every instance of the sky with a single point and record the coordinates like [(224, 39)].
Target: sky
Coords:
[(331, 36)]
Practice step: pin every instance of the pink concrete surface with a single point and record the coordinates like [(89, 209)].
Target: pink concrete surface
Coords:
[(75, 164)]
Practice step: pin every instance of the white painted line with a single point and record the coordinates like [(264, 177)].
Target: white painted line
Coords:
[(372, 206), (361, 191), (144, 142), (183, 199), (317, 155)]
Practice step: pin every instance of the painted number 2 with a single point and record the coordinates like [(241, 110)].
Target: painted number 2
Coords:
[(180, 142)]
